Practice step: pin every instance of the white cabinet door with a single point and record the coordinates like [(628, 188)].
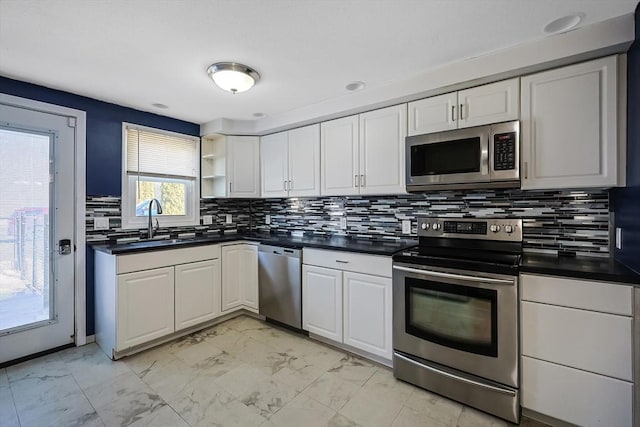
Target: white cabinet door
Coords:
[(304, 161), (274, 164), (243, 163), (576, 396), (339, 157), (382, 147), (434, 114), (248, 275), (231, 279), (491, 103), (322, 301), (145, 306), (569, 127), (197, 293), (367, 313)]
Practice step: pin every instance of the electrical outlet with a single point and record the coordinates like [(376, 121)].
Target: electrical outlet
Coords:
[(267, 219), (101, 223), (229, 219), (207, 219), (406, 226), (618, 238), (343, 223)]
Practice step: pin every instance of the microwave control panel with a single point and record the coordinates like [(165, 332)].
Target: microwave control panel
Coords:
[(504, 151)]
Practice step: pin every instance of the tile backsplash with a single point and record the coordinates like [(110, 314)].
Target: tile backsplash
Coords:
[(553, 221)]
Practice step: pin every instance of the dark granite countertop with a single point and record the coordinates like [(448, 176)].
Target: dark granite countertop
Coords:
[(363, 245), (602, 269)]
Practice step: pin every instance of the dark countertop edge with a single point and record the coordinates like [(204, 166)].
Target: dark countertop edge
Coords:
[(597, 269), (385, 248)]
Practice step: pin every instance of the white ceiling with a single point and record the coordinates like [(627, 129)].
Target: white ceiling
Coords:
[(140, 52)]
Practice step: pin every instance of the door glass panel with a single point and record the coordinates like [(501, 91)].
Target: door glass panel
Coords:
[(25, 288), (455, 316), (442, 158)]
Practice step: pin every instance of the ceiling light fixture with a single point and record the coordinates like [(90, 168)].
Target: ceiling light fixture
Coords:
[(353, 86), (233, 77), (564, 24)]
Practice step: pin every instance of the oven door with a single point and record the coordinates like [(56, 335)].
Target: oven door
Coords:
[(465, 320), (453, 157)]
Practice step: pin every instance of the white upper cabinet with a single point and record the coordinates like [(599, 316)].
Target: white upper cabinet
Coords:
[(243, 164), (339, 156), (291, 163), (382, 147), (364, 154), (491, 103), (570, 127)]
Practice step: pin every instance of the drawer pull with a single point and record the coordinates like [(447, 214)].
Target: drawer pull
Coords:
[(342, 262)]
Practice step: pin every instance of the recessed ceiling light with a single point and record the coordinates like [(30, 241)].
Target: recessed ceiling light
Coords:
[(563, 24), (159, 105), (258, 115), (233, 77), (353, 86)]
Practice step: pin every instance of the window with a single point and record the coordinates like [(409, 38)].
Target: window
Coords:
[(159, 165)]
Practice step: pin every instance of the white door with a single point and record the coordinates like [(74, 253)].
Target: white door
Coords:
[(367, 313), (492, 103), (231, 285), (434, 114), (145, 306), (37, 210), (274, 165), (322, 301), (304, 161), (197, 293), (339, 157), (243, 166), (382, 134), (248, 275)]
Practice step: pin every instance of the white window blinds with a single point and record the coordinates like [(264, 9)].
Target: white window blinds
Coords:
[(161, 154)]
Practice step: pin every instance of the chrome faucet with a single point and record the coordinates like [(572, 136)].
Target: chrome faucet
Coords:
[(151, 228)]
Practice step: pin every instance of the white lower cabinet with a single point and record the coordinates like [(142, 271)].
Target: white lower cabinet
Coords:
[(347, 305), (577, 353), (239, 277), (197, 293), (145, 306)]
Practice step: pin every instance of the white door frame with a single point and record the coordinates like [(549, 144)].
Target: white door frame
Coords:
[(80, 118)]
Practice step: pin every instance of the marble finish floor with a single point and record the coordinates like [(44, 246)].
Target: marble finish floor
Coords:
[(242, 372)]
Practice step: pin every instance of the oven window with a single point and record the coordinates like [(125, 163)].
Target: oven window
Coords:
[(460, 317), (442, 158)]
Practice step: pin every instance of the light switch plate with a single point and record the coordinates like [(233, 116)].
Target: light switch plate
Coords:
[(343, 223), (101, 223), (406, 226), (207, 219), (229, 219), (618, 238), (267, 219)]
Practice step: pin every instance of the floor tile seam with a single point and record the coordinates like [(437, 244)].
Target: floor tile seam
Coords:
[(397, 415), (317, 401), (88, 400), (427, 414), (170, 405), (13, 401), (337, 377)]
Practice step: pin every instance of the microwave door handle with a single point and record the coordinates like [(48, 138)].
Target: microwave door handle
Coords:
[(430, 273)]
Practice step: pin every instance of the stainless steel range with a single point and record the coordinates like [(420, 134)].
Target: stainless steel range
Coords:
[(455, 312)]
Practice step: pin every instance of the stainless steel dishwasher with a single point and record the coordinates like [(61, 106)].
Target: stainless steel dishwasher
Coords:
[(280, 283)]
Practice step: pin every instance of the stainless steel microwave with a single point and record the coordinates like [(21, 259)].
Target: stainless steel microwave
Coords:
[(478, 157)]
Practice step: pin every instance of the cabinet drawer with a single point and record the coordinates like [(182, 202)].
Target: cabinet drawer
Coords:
[(595, 342), (575, 396), (576, 293), (166, 258), (348, 261)]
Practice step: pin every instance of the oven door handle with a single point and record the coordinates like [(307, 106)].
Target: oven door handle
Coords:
[(453, 276), (456, 377)]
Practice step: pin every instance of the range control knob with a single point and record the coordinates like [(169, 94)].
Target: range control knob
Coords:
[(508, 229), (424, 226), (494, 228), (435, 226)]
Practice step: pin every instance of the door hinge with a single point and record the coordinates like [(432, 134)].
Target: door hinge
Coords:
[(71, 122)]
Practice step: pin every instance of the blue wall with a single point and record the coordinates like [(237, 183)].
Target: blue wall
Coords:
[(104, 146), (626, 201)]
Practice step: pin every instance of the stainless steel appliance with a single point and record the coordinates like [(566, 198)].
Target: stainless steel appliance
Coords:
[(455, 312), (280, 284), (476, 157)]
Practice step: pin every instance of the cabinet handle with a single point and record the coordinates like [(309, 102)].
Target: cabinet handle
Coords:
[(285, 185), (461, 109), (290, 185), (342, 262), (357, 180), (526, 170), (453, 113), (229, 186), (362, 183)]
